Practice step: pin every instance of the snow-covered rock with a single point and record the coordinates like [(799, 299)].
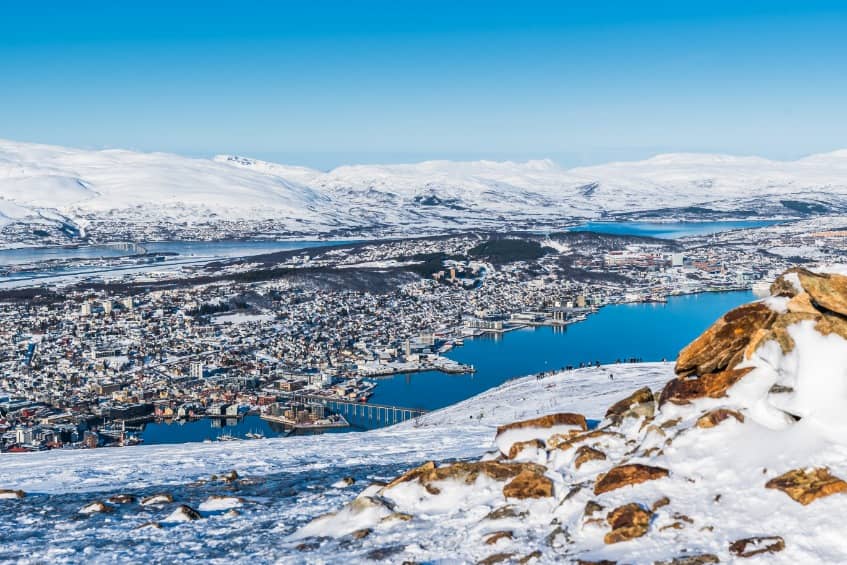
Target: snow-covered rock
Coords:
[(743, 454)]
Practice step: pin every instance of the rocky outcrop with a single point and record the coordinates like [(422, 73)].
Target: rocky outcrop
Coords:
[(639, 404), (737, 387), (529, 483), (627, 475), (683, 390), (748, 547), (807, 485), (723, 344), (627, 522), (714, 417)]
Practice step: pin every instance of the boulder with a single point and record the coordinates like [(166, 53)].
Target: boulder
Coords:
[(183, 513), (159, 498), (493, 538), (507, 511), (626, 475), (683, 390), (96, 507), (548, 421), (122, 498), (640, 403), (748, 547), (723, 344), (591, 508), (828, 291), (585, 454), (519, 446), (807, 485), (714, 417), (10, 493), (529, 483), (344, 482), (628, 522), (496, 558), (468, 472), (565, 442)]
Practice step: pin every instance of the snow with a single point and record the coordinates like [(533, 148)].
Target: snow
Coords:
[(80, 184)]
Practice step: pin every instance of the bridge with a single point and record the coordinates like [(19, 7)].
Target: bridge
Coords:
[(375, 414)]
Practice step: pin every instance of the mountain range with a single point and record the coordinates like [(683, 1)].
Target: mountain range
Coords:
[(86, 185)]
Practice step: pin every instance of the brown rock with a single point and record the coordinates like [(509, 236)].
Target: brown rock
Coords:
[(565, 442), (496, 558), (806, 486), (160, 498), (712, 385), (714, 417), (664, 501), (802, 303), (702, 559), (428, 473), (507, 511), (782, 287), (519, 446), (530, 483), (748, 547), (361, 534), (548, 421), (585, 454), (673, 526), (828, 291), (625, 475), (529, 557), (638, 404), (122, 498), (497, 536), (723, 344), (11, 493), (628, 522)]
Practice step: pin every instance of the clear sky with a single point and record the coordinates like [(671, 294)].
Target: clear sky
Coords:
[(323, 83)]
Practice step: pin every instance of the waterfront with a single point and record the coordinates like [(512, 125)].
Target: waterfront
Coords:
[(648, 331)]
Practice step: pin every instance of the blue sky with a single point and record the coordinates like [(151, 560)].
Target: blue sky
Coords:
[(324, 83)]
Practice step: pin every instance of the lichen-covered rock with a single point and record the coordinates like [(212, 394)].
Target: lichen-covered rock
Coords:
[(585, 454), (640, 403), (548, 421), (683, 390), (519, 446), (529, 483), (626, 475), (723, 344), (806, 486), (714, 417), (748, 547), (827, 290), (628, 522)]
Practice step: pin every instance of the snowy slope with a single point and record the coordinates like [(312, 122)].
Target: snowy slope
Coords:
[(742, 457), (294, 476), (436, 195)]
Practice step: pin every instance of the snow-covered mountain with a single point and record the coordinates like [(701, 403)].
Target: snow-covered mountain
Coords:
[(90, 185)]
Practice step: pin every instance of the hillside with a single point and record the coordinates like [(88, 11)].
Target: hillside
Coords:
[(86, 186)]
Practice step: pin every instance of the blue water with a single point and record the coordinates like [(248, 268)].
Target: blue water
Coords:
[(650, 332), (669, 230)]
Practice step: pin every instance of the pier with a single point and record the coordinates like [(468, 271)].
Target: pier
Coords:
[(377, 415)]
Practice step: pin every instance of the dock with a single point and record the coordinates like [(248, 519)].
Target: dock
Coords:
[(376, 414)]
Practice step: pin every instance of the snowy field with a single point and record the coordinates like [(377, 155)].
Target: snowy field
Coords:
[(288, 481)]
